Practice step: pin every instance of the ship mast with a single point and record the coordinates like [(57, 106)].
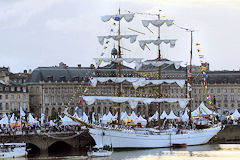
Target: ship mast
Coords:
[(190, 82), (119, 66), (159, 76)]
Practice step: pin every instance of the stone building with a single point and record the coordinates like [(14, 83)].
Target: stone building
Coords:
[(13, 93), (53, 88)]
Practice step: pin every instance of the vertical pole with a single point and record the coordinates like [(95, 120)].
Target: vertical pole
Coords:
[(119, 72), (159, 77), (190, 82)]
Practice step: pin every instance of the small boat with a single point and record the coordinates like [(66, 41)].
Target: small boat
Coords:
[(13, 150), (100, 152)]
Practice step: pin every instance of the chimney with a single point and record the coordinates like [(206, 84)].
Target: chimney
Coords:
[(25, 71), (79, 65)]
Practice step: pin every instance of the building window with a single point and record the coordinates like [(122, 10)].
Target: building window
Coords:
[(58, 99), (225, 90), (225, 97), (232, 98), (232, 90), (238, 97), (218, 90), (0, 106), (6, 96), (13, 106), (218, 98), (65, 90), (200, 90), (212, 91), (12, 97), (238, 90), (46, 90), (52, 90), (46, 100), (19, 96), (24, 97), (37, 90), (24, 106), (52, 100), (0, 96), (7, 106), (71, 90), (65, 100), (58, 91)]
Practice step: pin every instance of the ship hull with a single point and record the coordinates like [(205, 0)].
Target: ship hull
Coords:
[(127, 139)]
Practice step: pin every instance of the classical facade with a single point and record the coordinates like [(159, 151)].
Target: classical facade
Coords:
[(13, 93), (53, 88)]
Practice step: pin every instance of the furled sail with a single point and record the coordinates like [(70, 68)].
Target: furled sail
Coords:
[(127, 17), (116, 38), (136, 81), (157, 23), (137, 61), (133, 101), (143, 43), (160, 63)]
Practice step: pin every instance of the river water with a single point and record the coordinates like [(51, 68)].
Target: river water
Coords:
[(202, 152)]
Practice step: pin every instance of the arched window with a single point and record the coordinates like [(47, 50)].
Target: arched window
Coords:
[(59, 110), (71, 110), (46, 111), (86, 110), (104, 110), (139, 110), (98, 110), (127, 110)]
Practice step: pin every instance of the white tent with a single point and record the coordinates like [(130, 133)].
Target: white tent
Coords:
[(84, 117), (51, 123), (108, 118), (31, 120), (75, 115), (236, 114), (202, 110), (93, 118), (12, 119), (185, 116), (163, 115), (141, 120), (133, 116), (124, 116), (68, 121), (172, 116), (4, 120), (154, 117)]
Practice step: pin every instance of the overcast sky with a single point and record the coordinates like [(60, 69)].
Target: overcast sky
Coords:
[(37, 33)]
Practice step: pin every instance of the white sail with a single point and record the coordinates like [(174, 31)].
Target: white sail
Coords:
[(117, 38), (133, 101), (157, 23), (143, 43), (137, 61), (127, 17), (136, 81)]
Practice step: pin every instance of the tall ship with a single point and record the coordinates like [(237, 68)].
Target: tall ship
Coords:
[(120, 137)]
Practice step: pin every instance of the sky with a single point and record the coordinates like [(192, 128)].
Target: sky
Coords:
[(37, 33)]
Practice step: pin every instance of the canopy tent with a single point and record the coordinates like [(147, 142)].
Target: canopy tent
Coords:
[(133, 116), (93, 118), (124, 116), (51, 123), (12, 119), (202, 110), (75, 115), (172, 116), (68, 121), (106, 119), (84, 117), (236, 114), (185, 116), (141, 120), (154, 117), (32, 120), (163, 115), (4, 120)]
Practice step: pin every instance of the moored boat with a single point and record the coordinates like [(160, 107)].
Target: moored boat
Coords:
[(13, 150)]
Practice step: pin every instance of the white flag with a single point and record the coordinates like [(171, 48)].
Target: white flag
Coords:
[(22, 113)]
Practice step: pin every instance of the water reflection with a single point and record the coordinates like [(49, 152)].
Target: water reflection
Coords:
[(206, 152)]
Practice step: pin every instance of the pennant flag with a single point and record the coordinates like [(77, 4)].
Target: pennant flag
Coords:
[(198, 50), (117, 18), (80, 102), (189, 75), (91, 78), (197, 44), (105, 47), (89, 83), (102, 53), (76, 109), (98, 67), (204, 68), (201, 56), (85, 90), (164, 16), (107, 41), (114, 24), (111, 30)]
